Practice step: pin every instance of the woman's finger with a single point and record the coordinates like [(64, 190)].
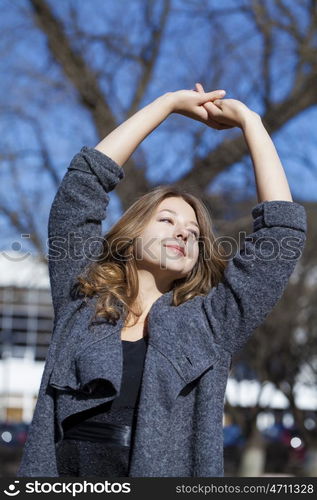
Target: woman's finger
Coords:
[(217, 102), (199, 87), (207, 96), (212, 109)]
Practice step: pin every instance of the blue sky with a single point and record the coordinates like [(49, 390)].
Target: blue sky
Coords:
[(27, 71)]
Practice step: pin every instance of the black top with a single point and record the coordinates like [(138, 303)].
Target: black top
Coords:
[(121, 409), (133, 361)]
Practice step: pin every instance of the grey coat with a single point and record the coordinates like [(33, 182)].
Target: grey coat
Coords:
[(179, 418)]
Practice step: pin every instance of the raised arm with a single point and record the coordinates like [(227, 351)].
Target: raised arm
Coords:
[(122, 141), (75, 218), (270, 179), (256, 277), (74, 226)]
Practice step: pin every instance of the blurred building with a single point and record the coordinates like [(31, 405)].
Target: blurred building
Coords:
[(26, 320)]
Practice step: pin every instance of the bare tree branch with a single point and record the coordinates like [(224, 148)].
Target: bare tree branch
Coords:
[(150, 52), (89, 91)]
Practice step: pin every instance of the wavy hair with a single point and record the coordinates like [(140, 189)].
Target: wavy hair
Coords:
[(114, 277)]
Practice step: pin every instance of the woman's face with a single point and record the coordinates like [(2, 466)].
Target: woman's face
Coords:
[(174, 223)]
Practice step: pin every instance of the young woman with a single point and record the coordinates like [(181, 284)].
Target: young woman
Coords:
[(148, 316)]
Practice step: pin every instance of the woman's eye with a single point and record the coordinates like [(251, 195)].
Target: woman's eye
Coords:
[(170, 220)]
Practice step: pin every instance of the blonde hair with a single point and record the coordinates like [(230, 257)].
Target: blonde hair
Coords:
[(114, 278)]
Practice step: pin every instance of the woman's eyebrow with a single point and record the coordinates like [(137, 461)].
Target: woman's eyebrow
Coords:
[(173, 212)]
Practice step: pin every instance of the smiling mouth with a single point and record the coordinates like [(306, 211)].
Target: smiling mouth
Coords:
[(177, 249)]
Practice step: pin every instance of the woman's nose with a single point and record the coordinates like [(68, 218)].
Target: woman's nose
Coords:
[(183, 232)]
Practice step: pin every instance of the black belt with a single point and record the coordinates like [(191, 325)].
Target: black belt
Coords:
[(112, 434)]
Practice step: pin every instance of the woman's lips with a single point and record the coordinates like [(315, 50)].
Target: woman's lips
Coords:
[(178, 249)]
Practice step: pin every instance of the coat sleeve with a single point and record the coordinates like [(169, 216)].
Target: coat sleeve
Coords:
[(74, 227), (255, 278)]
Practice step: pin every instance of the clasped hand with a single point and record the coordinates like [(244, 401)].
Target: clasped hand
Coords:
[(209, 108)]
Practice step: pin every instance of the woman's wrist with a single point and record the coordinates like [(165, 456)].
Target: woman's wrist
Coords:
[(167, 102), (250, 118)]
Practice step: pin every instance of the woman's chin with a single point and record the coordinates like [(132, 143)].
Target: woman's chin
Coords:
[(176, 268)]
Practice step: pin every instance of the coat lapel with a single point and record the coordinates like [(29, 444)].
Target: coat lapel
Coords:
[(187, 345)]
